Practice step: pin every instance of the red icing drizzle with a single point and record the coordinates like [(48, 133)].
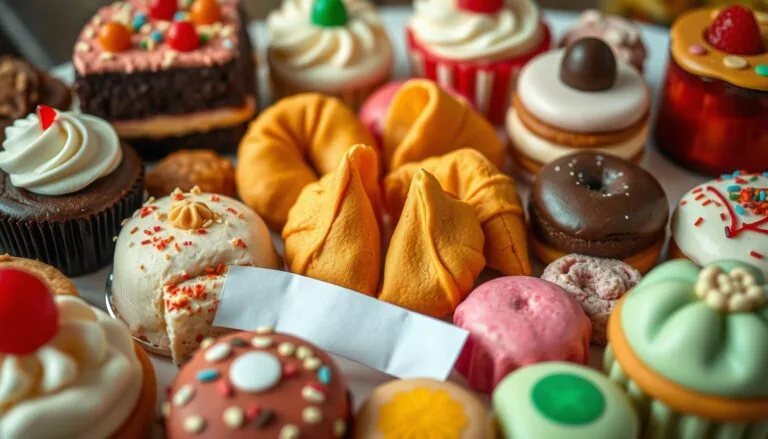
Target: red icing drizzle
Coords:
[(735, 228)]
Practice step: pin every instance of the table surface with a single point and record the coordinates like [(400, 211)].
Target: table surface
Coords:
[(362, 380)]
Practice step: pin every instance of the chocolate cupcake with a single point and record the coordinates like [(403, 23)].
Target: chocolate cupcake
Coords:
[(66, 184), (23, 87)]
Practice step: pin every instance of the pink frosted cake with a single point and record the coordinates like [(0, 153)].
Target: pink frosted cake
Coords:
[(515, 321), (168, 75)]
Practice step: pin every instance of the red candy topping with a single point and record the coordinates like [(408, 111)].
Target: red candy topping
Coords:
[(481, 6), (46, 115), (29, 317), (735, 31), (182, 36), (205, 12), (115, 37), (163, 9)]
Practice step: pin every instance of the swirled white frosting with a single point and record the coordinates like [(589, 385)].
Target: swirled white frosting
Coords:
[(451, 33), (72, 153), (320, 57), (84, 383)]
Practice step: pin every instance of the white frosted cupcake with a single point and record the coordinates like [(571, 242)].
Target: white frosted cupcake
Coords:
[(338, 48)]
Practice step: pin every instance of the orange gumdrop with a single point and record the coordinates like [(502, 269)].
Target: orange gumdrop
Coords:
[(205, 12), (114, 37)]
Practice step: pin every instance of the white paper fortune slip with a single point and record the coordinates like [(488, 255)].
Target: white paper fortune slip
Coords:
[(349, 324)]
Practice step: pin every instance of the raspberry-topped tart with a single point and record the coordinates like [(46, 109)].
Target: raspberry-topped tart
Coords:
[(168, 74), (715, 100)]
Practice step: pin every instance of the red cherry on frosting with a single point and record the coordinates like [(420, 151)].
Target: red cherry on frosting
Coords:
[(46, 115), (735, 31), (163, 9), (182, 36), (481, 6), (29, 317)]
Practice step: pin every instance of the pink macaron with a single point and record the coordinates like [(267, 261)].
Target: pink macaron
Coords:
[(516, 321)]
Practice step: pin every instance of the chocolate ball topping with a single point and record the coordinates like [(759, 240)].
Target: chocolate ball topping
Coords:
[(589, 65)]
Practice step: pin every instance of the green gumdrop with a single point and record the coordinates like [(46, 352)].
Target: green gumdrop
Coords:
[(329, 13)]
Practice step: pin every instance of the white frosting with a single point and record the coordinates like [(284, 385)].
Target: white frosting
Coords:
[(325, 58), (544, 151), (72, 153), (554, 102), (707, 242), (453, 34), (84, 383), (166, 317)]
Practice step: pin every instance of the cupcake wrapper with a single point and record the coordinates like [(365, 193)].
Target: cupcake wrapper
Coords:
[(487, 86), (75, 247), (659, 421), (353, 97)]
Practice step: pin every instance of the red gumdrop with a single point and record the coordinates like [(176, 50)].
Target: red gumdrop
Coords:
[(46, 115), (481, 6), (163, 9), (182, 36), (29, 317)]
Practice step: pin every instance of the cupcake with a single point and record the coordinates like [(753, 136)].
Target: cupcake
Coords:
[(258, 384), (67, 183), (578, 99), (563, 401), (66, 369), (726, 218), (689, 346), (168, 74), (598, 205), (621, 34), (516, 321), (170, 263), (476, 47), (715, 99), (423, 408), (335, 47), (23, 87)]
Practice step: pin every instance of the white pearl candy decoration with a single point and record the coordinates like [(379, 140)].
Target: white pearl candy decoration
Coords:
[(736, 291)]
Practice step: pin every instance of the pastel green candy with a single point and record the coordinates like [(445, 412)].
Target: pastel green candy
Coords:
[(686, 323), (562, 400)]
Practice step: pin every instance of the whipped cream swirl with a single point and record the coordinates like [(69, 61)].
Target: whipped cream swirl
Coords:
[(300, 48), (459, 35), (72, 153), (84, 383)]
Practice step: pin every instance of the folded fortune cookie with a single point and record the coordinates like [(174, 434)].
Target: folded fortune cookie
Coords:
[(472, 178), (436, 251), (425, 121), (333, 232)]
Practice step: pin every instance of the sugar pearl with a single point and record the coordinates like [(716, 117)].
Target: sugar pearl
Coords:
[(234, 417), (194, 424)]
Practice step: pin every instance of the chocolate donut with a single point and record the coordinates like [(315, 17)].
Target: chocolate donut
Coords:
[(597, 205)]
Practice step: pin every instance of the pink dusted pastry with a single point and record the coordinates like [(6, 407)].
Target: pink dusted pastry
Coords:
[(596, 283), (515, 321), (621, 34)]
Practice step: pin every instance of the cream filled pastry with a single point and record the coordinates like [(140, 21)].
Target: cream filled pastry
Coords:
[(170, 260), (335, 47), (578, 98), (80, 377)]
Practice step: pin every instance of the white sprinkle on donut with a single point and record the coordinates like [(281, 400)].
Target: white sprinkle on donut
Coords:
[(183, 395), (218, 352)]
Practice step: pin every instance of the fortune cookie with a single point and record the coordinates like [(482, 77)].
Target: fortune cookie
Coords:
[(472, 178), (291, 145), (333, 232), (425, 121), (436, 251)]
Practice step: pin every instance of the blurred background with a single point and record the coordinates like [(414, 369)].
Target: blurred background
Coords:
[(44, 31)]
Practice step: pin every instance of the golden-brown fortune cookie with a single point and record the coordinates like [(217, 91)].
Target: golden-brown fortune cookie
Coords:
[(436, 251), (289, 146), (333, 233), (470, 177), (425, 121)]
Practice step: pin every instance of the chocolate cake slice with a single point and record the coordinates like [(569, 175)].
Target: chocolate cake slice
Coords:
[(169, 75)]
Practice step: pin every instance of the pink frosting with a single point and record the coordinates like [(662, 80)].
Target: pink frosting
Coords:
[(89, 58), (597, 284), (516, 321)]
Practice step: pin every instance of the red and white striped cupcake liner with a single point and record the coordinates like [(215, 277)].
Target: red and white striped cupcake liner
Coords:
[(487, 86)]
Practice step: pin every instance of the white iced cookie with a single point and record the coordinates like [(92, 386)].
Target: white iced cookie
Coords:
[(170, 262)]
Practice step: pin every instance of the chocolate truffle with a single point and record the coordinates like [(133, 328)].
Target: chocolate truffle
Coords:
[(589, 65)]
